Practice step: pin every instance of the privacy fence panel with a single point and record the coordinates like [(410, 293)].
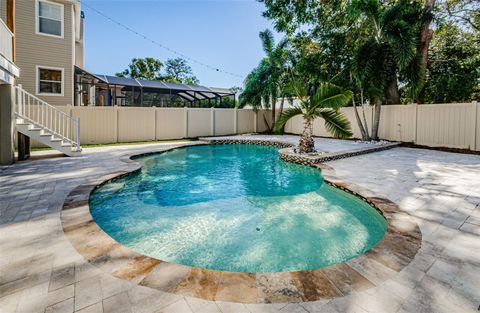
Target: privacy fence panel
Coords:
[(136, 124), (264, 120), (199, 122), (97, 125), (397, 122), (170, 123), (245, 121), (435, 125), (295, 125), (477, 126), (445, 125), (224, 122)]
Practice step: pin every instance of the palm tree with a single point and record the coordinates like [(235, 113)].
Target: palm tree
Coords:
[(323, 103), (387, 51), (267, 81)]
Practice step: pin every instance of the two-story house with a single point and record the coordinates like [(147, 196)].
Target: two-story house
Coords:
[(45, 39), (49, 45), (8, 73)]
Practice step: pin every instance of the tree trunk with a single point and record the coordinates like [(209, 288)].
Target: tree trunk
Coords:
[(422, 49), (274, 104), (281, 105), (359, 121), (392, 94), (376, 119), (362, 99), (307, 144)]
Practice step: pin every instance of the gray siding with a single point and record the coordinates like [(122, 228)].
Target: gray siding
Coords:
[(34, 49)]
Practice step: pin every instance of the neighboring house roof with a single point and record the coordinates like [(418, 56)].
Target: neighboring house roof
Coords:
[(132, 82)]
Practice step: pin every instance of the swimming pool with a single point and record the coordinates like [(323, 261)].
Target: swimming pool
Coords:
[(235, 208)]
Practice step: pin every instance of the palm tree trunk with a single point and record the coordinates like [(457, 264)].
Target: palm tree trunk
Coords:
[(359, 121), (376, 119), (274, 104), (281, 105), (392, 92), (422, 49), (307, 144), (363, 113)]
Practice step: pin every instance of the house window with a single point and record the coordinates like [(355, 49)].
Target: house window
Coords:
[(49, 18), (50, 81)]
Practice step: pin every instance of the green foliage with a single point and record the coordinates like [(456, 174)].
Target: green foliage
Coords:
[(462, 13), (265, 83), (176, 70), (323, 102), (454, 66), (372, 46), (147, 68)]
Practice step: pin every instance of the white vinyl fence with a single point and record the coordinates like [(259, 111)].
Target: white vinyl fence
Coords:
[(101, 125), (454, 125)]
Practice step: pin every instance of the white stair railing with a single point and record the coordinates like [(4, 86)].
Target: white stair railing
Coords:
[(47, 117)]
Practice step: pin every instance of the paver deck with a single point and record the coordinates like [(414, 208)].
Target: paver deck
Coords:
[(40, 271)]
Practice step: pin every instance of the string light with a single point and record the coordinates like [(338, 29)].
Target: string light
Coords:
[(208, 66)]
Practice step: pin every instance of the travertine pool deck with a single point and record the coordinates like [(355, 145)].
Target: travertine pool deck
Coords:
[(41, 271)]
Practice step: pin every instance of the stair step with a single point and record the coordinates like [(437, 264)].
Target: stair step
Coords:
[(39, 131)]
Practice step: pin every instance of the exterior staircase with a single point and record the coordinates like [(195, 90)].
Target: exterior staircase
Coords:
[(46, 124)]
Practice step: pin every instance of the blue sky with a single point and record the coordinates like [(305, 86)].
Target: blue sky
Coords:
[(223, 34)]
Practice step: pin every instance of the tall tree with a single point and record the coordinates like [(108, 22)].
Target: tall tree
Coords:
[(454, 65), (267, 81), (374, 39), (146, 68), (177, 70), (425, 37), (386, 53)]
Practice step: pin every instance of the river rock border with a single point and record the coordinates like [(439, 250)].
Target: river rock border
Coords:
[(393, 253), (287, 154)]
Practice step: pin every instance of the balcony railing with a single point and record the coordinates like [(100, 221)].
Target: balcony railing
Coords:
[(6, 41)]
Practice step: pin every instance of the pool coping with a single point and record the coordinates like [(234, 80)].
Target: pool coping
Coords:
[(395, 251)]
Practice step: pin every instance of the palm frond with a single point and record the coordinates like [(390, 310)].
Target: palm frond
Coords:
[(330, 96), (285, 117), (268, 41), (336, 123)]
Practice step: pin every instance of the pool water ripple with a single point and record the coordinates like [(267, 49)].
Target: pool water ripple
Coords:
[(235, 208)]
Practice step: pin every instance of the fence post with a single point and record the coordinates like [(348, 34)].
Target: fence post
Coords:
[(235, 121), (78, 133), (117, 122), (155, 121), (415, 122), (473, 145), (212, 124), (185, 115)]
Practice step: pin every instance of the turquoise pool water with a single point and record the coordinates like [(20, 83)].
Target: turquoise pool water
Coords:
[(235, 208)]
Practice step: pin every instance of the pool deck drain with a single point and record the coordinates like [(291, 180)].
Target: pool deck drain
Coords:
[(393, 253)]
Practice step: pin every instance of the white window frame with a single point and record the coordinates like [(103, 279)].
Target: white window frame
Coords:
[(37, 79), (37, 18)]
